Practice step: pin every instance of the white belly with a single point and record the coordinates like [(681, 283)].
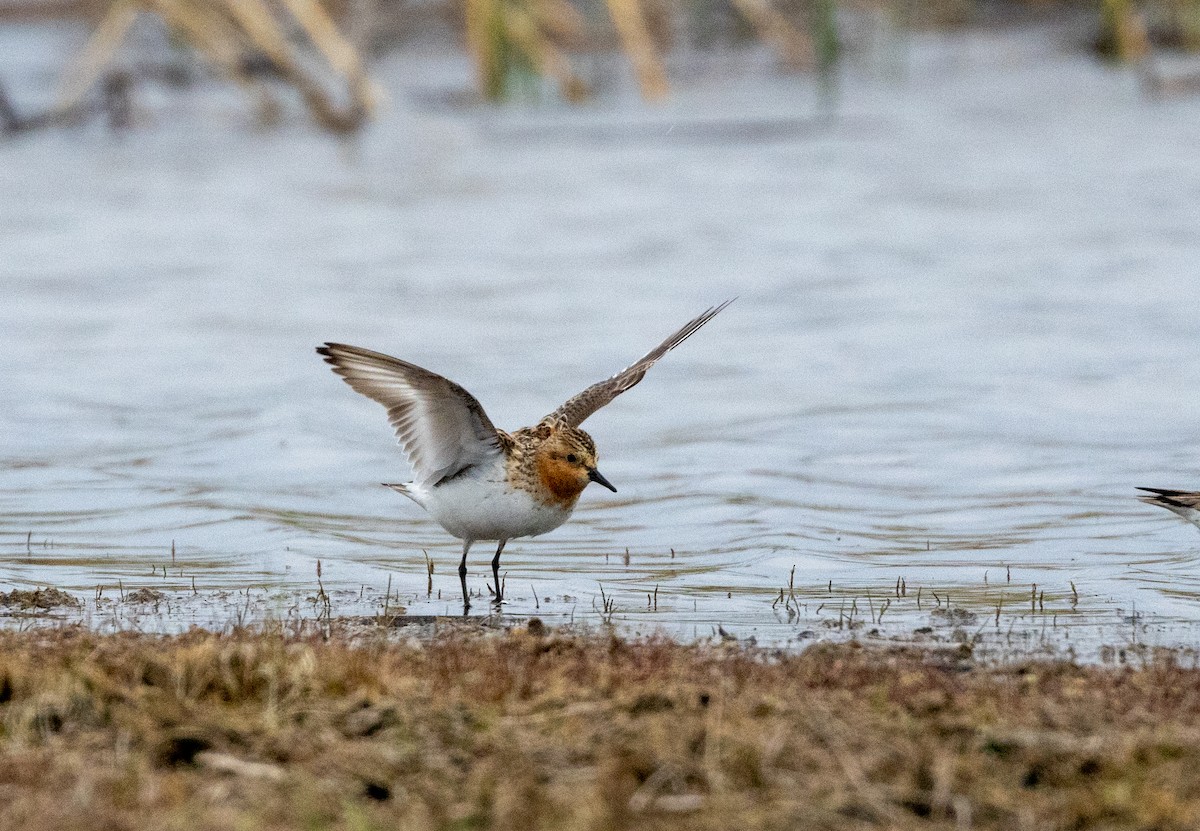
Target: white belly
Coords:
[(479, 508)]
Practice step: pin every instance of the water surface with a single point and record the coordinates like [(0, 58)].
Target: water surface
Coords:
[(966, 329)]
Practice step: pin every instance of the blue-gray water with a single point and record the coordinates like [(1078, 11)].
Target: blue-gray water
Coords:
[(967, 327)]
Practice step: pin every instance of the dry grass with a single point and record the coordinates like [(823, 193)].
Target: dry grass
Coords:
[(47, 598), (530, 729)]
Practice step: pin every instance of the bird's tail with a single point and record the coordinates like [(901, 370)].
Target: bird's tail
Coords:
[(405, 489)]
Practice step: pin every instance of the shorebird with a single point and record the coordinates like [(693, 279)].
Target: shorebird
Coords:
[(1184, 503), (479, 482)]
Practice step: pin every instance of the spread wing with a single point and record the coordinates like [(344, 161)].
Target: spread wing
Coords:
[(574, 411), (440, 425)]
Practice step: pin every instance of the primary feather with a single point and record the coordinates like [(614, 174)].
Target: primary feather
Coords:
[(1185, 504), (442, 428), (575, 410)]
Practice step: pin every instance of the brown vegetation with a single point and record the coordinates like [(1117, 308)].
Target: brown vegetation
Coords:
[(41, 599), (319, 48), (533, 729), (233, 37)]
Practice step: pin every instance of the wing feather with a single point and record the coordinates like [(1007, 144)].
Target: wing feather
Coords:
[(1168, 498), (577, 409), (442, 428)]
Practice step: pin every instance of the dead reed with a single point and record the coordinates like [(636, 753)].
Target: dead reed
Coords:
[(248, 42)]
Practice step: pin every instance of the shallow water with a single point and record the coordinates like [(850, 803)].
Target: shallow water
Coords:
[(966, 329)]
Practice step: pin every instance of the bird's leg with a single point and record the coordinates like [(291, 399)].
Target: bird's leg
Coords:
[(462, 575), (496, 571)]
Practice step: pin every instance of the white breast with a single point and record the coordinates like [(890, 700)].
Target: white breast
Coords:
[(481, 505)]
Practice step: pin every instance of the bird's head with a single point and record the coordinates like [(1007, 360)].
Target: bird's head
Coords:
[(566, 463)]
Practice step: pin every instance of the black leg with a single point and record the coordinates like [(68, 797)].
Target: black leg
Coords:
[(462, 575), (496, 571)]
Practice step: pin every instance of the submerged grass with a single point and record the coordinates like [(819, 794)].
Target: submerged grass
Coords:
[(530, 729)]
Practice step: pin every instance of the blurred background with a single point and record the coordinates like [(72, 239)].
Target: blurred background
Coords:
[(962, 234), (528, 51)]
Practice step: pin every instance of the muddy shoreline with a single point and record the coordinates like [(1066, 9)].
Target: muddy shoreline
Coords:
[(532, 727)]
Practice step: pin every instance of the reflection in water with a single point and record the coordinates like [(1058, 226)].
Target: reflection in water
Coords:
[(958, 347)]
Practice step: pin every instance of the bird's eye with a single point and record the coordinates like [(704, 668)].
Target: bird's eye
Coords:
[(572, 458)]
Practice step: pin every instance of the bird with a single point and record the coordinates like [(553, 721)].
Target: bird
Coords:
[(1184, 503), (479, 482)]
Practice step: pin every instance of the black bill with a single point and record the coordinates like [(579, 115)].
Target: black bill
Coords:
[(598, 477)]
